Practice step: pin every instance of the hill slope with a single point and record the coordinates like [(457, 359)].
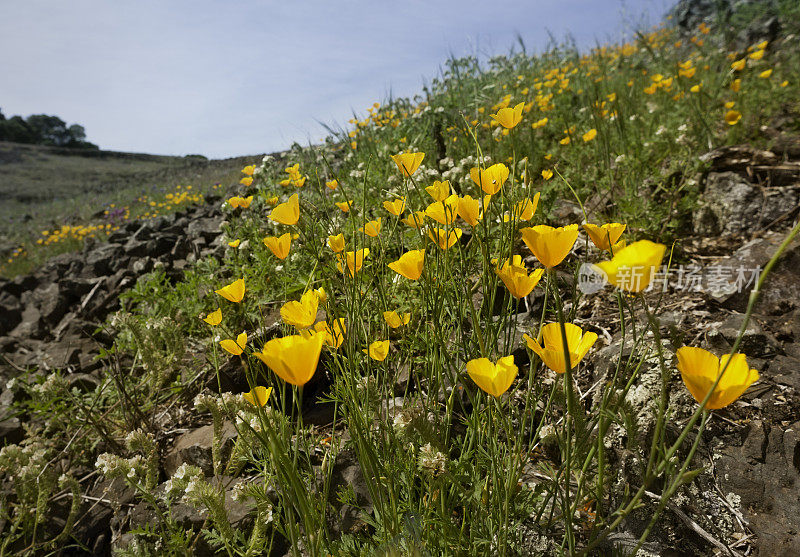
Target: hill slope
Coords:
[(40, 183), (53, 197)]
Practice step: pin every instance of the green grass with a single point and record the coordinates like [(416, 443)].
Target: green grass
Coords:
[(42, 188)]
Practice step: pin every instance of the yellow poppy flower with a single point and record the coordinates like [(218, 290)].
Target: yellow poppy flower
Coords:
[(293, 358), (469, 209), (765, 74), (395, 207), (757, 55), (235, 347), (632, 268), (355, 260), (547, 173), (372, 228), (550, 245), (588, 136), (439, 191), (443, 212), (539, 123), (249, 169), (336, 243), (490, 179), (700, 368), (344, 206), (415, 220), (235, 243), (736, 84), (606, 235), (408, 163), (246, 181), (334, 336), (509, 117), (732, 117), (233, 292), (738, 65), (695, 88), (279, 245), (240, 202), (410, 264), (493, 378), (445, 239), (378, 350), (214, 318), (516, 278), (258, 396), (551, 349), (332, 184), (525, 209), (395, 320), (301, 314), (288, 212)]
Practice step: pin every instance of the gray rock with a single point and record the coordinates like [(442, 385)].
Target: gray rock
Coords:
[(781, 291), (732, 205), (136, 248), (20, 284), (52, 302), (10, 312), (763, 472), (194, 447), (181, 248), (142, 265), (11, 431), (347, 474), (104, 260), (207, 228), (785, 370), (189, 517), (755, 343), (31, 324)]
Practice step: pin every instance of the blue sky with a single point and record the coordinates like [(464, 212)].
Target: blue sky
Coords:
[(228, 78)]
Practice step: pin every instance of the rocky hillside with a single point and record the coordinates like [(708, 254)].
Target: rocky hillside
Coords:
[(341, 356)]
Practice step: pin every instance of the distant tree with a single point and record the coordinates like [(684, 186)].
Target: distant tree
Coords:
[(43, 129), (51, 130), (77, 132), (16, 129)]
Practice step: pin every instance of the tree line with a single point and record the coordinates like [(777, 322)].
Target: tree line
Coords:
[(43, 129)]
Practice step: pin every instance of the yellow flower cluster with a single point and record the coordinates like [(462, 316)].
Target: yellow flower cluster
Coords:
[(560, 346)]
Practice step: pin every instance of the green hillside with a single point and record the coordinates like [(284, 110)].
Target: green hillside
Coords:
[(44, 188)]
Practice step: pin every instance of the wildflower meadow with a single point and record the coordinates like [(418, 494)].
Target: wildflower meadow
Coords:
[(394, 354)]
